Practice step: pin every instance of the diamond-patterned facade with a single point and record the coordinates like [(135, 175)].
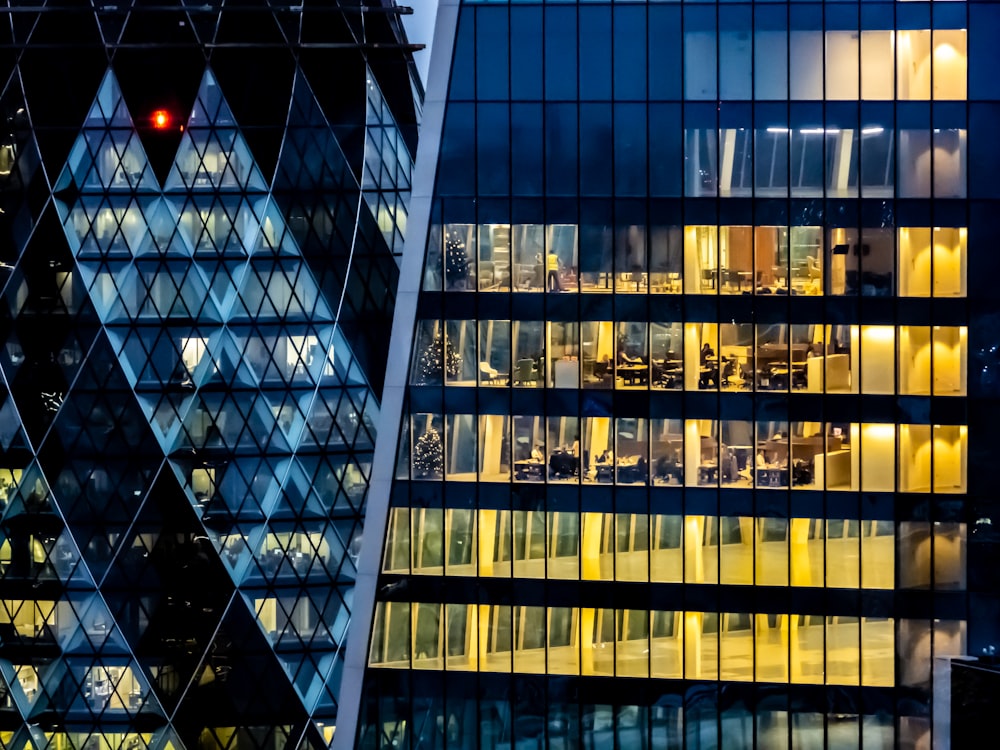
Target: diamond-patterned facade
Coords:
[(189, 384)]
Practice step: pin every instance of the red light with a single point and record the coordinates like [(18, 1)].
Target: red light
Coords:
[(161, 119)]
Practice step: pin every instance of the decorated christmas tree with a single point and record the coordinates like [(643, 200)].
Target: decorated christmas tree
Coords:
[(456, 261), (428, 455), (438, 358)]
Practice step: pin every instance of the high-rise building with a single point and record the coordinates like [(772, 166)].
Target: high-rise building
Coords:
[(200, 205), (689, 421)]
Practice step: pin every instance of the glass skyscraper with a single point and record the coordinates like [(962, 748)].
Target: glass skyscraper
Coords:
[(200, 209), (689, 420)]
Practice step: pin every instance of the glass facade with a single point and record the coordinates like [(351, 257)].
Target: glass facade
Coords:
[(197, 281), (700, 382)]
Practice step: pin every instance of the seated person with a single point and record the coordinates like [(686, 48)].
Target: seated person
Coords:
[(625, 359), (668, 468), (536, 453), (761, 461), (707, 353), (607, 457), (729, 466)]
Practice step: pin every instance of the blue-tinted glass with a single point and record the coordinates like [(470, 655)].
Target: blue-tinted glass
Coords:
[(595, 136), (463, 82), (984, 31), (666, 153), (630, 53), (700, 53), (595, 53), (526, 62), (630, 149), (493, 149), (984, 153), (457, 142), (491, 53), (526, 149), (664, 43), (561, 165), (560, 53)]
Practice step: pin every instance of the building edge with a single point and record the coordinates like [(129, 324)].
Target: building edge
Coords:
[(397, 368)]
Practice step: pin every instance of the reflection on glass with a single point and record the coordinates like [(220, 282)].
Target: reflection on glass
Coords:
[(529, 353)]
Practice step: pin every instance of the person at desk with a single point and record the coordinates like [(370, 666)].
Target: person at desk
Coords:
[(624, 359), (707, 353), (552, 278), (761, 462), (536, 453)]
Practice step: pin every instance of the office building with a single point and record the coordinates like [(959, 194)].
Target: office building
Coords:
[(200, 207), (694, 379)]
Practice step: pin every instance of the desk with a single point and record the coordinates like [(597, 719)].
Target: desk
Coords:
[(634, 374), (529, 470), (772, 476), (562, 463), (628, 470)]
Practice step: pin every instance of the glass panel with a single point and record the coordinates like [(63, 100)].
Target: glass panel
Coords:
[(842, 57), (563, 651), (878, 457), (736, 550), (460, 460), (529, 354), (494, 258), (771, 260), (666, 355), (878, 543), (632, 356), (913, 64), (700, 553), (494, 352), (666, 259), (598, 449), (736, 647), (427, 456), (701, 259), (701, 453), (667, 451), (843, 660), (667, 644), (771, 648), (632, 648), (529, 251), (632, 451), (736, 260), (950, 458), (460, 366), (562, 241), (460, 257), (736, 357), (564, 545), (597, 345), (494, 448), (460, 527), (950, 64), (666, 561), (529, 449), (563, 348), (564, 449), (630, 259), (771, 559), (736, 453)]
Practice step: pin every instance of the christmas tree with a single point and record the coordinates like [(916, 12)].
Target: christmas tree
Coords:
[(436, 359), (456, 261), (428, 455)]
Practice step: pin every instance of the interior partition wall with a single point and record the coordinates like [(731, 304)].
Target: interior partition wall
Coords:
[(696, 385)]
